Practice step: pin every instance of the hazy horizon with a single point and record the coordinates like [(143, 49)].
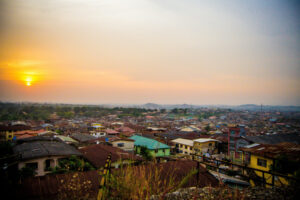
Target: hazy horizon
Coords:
[(140, 104), (140, 51)]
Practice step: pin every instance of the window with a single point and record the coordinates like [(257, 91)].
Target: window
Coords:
[(33, 166), (191, 148), (163, 150), (156, 150), (261, 162), (185, 147), (120, 144), (210, 144), (181, 145), (48, 164)]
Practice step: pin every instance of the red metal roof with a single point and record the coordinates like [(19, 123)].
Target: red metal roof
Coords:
[(97, 154)]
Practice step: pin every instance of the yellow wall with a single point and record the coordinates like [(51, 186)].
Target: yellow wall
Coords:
[(187, 150), (9, 136), (201, 148), (278, 181)]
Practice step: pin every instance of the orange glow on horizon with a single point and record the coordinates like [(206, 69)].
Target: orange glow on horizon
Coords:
[(29, 78)]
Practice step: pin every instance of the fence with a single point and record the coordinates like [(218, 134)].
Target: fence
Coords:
[(104, 178), (248, 172)]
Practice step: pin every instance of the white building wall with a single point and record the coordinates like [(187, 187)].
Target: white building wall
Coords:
[(128, 145)]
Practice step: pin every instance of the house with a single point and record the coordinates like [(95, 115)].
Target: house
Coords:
[(27, 133), (46, 133), (189, 129), (66, 139), (124, 144), (7, 132), (82, 138), (264, 156), (275, 139), (97, 127), (126, 131), (97, 154), (236, 140), (6, 136), (205, 146), (157, 149), (42, 155), (184, 146), (97, 130), (111, 132), (47, 126), (158, 129), (98, 134)]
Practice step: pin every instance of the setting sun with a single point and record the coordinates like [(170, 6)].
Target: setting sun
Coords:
[(29, 78), (28, 83)]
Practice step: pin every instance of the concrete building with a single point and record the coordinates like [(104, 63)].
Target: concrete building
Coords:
[(236, 140), (183, 146), (43, 155), (205, 145), (124, 144), (271, 158), (156, 149)]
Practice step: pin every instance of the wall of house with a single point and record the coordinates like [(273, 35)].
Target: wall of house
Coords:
[(160, 152), (98, 134), (9, 136), (278, 181), (203, 147), (41, 164), (128, 145), (155, 153), (6, 135), (185, 149)]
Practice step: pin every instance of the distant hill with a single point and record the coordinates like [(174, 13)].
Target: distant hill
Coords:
[(255, 107), (250, 107), (151, 106)]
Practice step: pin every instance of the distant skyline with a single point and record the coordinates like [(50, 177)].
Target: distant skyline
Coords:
[(197, 52)]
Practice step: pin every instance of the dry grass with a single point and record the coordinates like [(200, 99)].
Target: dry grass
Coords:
[(74, 188), (144, 181)]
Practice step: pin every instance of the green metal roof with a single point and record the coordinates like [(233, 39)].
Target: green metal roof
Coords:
[(148, 143)]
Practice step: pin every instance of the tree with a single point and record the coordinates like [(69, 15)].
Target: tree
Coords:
[(5, 149), (72, 164), (175, 110), (146, 153), (27, 172), (207, 128)]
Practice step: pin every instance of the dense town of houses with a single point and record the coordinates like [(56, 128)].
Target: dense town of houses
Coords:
[(251, 139)]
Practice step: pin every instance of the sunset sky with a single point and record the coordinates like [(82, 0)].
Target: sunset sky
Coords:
[(160, 51)]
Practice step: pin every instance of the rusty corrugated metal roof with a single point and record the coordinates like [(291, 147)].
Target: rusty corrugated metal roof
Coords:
[(274, 150), (97, 154)]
